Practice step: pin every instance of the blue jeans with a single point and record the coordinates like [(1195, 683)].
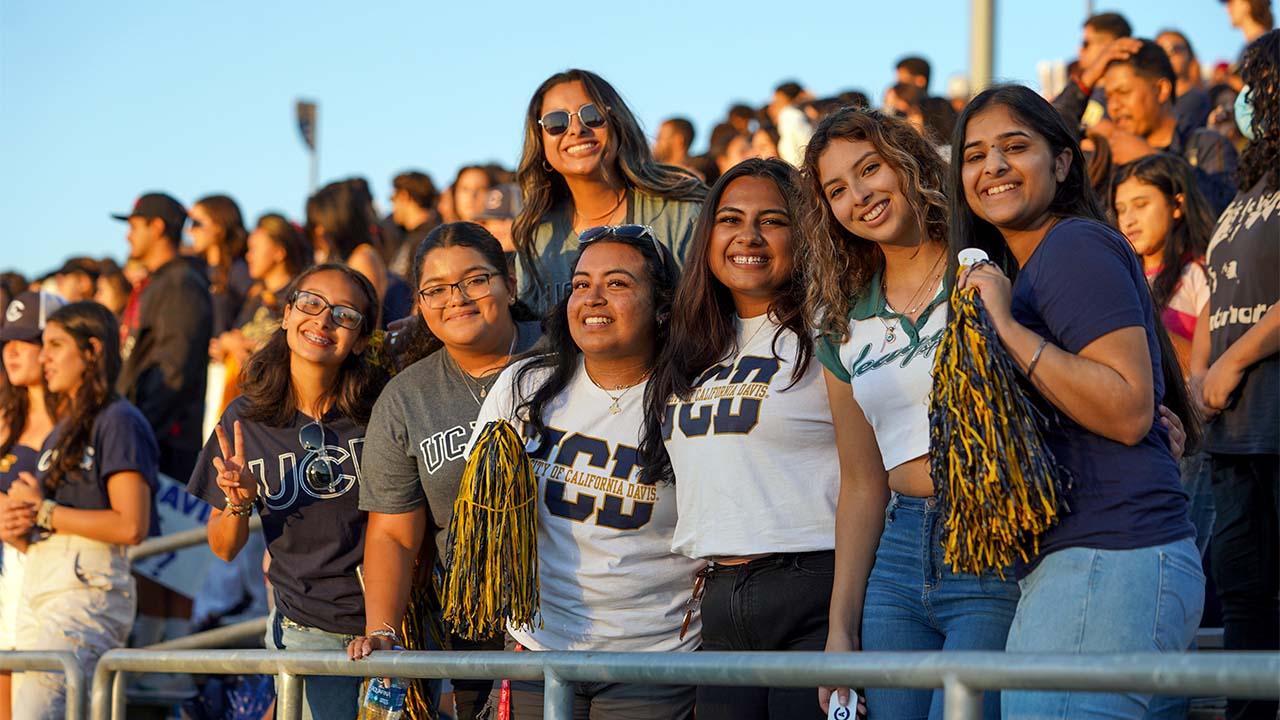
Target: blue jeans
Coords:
[(915, 602), (324, 698), (1083, 600)]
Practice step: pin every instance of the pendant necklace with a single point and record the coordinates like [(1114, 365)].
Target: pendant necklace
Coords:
[(891, 328), (615, 407), (468, 380)]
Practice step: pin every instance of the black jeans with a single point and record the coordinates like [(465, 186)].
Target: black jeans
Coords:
[(1246, 560), (779, 602)]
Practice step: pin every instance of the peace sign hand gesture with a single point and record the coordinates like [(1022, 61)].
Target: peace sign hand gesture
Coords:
[(237, 483)]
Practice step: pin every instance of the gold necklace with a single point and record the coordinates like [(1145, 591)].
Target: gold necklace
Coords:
[(615, 407), (593, 220), (890, 328), (468, 379)]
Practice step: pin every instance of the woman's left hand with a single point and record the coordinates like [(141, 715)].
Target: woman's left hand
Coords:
[(994, 288), (17, 520), (27, 489), (1177, 433), (1219, 383)]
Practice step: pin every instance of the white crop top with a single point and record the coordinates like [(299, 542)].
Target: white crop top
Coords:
[(888, 361)]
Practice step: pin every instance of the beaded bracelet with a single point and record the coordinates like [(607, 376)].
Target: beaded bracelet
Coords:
[(44, 516), (238, 510)]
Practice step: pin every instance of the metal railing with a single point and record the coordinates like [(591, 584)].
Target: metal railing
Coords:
[(179, 541), (963, 676), (49, 661)]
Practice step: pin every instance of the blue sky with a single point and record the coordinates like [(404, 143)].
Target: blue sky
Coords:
[(100, 101)]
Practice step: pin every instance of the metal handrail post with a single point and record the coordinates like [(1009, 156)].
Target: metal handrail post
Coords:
[(76, 683), (557, 697), (101, 699), (289, 696), (959, 701), (120, 696)]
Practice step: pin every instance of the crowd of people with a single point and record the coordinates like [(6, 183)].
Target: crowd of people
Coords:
[(721, 365)]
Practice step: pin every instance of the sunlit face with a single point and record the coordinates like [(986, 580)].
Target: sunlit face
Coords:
[(263, 254), (750, 247), (469, 194), (1145, 215), (317, 338), (1239, 13), (580, 151), (1134, 102), (738, 149), (865, 194), (611, 312), (1010, 173), (63, 363), (1179, 54), (464, 322), (74, 286), (109, 295), (144, 234), (763, 146), (669, 143), (22, 363), (202, 231)]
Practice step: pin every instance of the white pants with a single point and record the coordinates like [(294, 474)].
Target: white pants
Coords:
[(77, 596)]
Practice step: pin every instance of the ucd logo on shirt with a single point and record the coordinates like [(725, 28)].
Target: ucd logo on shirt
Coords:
[(48, 457), (710, 409), (614, 489), (445, 446), (288, 481)]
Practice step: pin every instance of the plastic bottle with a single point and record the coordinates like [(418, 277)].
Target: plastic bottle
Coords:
[(384, 700)]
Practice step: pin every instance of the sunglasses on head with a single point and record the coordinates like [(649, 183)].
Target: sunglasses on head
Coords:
[(321, 474), (557, 122), (625, 232)]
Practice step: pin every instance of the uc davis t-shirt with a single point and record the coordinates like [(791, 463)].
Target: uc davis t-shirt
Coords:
[(1083, 282), (315, 537), (609, 580), (19, 459), (754, 455), (1244, 255), (121, 440)]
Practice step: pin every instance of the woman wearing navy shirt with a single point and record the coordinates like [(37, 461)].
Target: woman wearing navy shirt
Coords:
[(93, 498), (1120, 571), (290, 446)]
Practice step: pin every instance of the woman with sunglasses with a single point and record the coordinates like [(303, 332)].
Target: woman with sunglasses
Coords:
[(468, 328), (737, 409), (586, 163), (1119, 572), (218, 237), (609, 580), (93, 498), (290, 446)]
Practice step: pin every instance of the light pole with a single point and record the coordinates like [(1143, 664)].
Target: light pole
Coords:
[(982, 31)]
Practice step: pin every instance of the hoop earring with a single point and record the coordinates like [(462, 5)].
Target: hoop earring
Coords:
[(547, 166)]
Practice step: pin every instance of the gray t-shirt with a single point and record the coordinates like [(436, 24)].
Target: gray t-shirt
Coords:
[(415, 444)]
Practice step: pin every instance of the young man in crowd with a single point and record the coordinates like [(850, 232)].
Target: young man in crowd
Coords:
[(413, 202), (914, 70), (1103, 33), (1192, 104), (675, 137), (77, 279)]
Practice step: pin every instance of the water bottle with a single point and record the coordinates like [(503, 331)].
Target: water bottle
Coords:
[(384, 699)]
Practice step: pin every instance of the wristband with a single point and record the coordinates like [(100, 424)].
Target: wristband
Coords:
[(44, 517), (1036, 358)]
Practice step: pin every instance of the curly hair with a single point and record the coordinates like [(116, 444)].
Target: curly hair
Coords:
[(86, 322), (840, 265), (1261, 72)]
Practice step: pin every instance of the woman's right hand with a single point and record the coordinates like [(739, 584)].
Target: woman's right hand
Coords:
[(237, 483), (17, 519), (838, 642), (363, 646)]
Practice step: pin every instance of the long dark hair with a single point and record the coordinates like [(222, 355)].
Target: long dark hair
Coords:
[(562, 360), (230, 237), (841, 265), (298, 253), (1074, 197), (702, 327), (267, 382), (1260, 70), (1188, 235), (15, 406), (342, 210), (421, 342), (85, 322), (543, 187)]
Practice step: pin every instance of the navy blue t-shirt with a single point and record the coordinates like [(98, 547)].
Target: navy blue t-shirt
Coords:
[(1083, 282), (315, 536), (121, 440), (18, 460)]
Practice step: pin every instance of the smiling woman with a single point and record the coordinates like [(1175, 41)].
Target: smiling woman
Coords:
[(587, 163)]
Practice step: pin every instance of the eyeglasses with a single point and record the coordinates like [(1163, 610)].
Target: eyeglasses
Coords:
[(437, 297), (312, 304), (626, 232), (321, 474), (557, 122)]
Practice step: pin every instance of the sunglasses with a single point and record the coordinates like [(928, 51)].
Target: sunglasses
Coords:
[(625, 232), (321, 474), (313, 304), (557, 122)]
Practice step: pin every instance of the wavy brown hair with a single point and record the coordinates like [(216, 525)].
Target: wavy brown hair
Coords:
[(543, 188), (231, 237), (85, 322), (703, 331), (840, 264), (267, 381)]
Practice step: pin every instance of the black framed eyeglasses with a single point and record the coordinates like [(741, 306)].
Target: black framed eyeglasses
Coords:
[(321, 474), (344, 316), (557, 122), (474, 287)]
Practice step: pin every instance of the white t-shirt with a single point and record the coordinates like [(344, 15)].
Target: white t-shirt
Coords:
[(754, 456), (891, 379), (608, 578)]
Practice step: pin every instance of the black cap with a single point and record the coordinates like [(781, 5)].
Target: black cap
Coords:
[(502, 203), (83, 265), (25, 317), (158, 205)]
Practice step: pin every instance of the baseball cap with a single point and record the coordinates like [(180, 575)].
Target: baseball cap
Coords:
[(157, 205), (25, 317), (502, 203), (83, 265)]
